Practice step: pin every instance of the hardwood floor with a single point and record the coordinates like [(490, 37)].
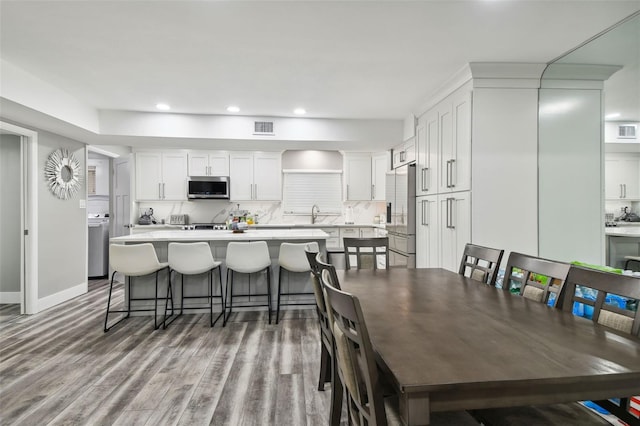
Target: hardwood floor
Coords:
[(9, 312), (59, 368)]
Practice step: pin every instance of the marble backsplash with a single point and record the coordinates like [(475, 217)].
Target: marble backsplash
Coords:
[(216, 211)]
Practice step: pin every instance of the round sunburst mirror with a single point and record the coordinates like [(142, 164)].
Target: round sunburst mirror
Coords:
[(62, 172)]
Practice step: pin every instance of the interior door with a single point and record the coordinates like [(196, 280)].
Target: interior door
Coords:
[(121, 197)]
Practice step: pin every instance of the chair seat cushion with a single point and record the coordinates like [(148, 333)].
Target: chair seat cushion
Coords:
[(570, 414), (142, 272), (200, 269)]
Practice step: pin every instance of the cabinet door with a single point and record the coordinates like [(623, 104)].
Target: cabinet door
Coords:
[(427, 154), (427, 241), (622, 178), (148, 176), (461, 149), (379, 168), (445, 146), (241, 176), (198, 164), (174, 176), (267, 176), (219, 164), (357, 177), (368, 233), (632, 178), (455, 228), (410, 151)]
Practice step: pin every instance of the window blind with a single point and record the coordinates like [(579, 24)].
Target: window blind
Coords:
[(304, 188)]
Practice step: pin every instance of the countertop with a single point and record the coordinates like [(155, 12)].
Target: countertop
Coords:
[(277, 226), (622, 231), (211, 235)]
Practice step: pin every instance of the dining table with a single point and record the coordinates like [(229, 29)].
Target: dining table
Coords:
[(449, 343)]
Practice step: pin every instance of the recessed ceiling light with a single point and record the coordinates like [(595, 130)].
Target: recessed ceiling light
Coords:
[(233, 108), (299, 111), (163, 107), (612, 115)]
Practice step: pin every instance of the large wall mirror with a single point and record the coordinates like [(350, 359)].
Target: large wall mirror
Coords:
[(589, 144)]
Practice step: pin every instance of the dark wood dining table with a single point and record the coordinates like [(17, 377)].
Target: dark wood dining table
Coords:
[(449, 343)]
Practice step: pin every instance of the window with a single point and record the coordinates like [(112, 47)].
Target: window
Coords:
[(304, 188), (91, 180)]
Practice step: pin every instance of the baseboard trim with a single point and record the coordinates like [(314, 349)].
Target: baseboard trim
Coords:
[(62, 296), (11, 297)]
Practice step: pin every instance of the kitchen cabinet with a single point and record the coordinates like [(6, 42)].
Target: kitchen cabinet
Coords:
[(404, 153), (161, 176), (427, 232), (255, 176), (427, 154), (364, 176), (454, 221), (622, 177), (380, 164), (454, 143), (208, 163)]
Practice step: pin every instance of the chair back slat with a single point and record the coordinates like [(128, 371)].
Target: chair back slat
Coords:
[(481, 263), (579, 288), (366, 252), (535, 278)]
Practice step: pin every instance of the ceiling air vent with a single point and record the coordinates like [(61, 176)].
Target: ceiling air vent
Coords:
[(627, 131), (263, 128)]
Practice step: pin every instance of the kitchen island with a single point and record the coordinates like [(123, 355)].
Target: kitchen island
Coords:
[(621, 241), (218, 240)]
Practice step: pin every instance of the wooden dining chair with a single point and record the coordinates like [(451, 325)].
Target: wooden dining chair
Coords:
[(358, 371), (535, 278), (367, 252), (480, 263)]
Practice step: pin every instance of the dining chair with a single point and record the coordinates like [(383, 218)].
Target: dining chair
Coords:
[(358, 370), (625, 320), (197, 259), (480, 263), (136, 260), (535, 278), (367, 252), (615, 306), (292, 259)]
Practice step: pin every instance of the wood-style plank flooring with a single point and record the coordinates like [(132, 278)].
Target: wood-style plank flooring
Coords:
[(59, 368)]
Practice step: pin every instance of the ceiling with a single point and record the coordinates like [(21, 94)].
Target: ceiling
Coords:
[(336, 59)]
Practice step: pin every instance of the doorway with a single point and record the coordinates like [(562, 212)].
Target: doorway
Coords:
[(18, 271)]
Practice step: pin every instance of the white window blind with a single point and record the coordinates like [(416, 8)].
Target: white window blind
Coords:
[(304, 188)]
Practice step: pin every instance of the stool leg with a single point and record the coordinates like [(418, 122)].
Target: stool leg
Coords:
[(279, 292), (222, 298), (181, 293), (269, 292), (106, 319), (155, 306), (230, 291), (211, 297)]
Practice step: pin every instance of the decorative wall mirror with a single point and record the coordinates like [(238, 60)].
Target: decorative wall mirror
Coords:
[(62, 171)]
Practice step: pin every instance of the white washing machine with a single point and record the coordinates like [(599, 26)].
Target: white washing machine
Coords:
[(98, 247)]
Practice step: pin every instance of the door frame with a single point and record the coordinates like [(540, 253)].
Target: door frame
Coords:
[(28, 216)]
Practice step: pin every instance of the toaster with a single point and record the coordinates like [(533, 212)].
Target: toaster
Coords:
[(178, 219)]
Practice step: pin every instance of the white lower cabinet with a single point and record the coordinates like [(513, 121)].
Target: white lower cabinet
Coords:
[(454, 215)]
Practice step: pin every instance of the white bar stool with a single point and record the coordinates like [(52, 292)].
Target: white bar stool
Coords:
[(195, 259), (136, 260), (248, 258), (292, 258)]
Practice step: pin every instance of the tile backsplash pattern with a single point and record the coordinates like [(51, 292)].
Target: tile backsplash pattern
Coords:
[(216, 211)]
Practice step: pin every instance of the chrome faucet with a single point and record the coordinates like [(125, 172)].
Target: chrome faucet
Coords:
[(314, 213)]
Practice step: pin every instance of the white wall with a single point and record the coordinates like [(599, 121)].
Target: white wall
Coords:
[(571, 190), (504, 172), (10, 171)]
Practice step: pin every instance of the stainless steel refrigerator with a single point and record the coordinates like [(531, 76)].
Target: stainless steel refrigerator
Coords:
[(401, 215)]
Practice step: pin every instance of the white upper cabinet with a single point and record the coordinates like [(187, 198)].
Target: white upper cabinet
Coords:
[(161, 176), (427, 154), (255, 176), (622, 177), (357, 177), (454, 143), (380, 164), (404, 153), (208, 163)]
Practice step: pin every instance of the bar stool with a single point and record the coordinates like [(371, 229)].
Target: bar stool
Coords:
[(630, 259), (136, 260), (292, 258), (196, 259), (248, 258)]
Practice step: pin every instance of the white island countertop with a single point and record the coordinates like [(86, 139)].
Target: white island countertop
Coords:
[(223, 235), (623, 231)]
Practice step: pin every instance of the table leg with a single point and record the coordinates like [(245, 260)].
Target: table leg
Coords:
[(415, 409)]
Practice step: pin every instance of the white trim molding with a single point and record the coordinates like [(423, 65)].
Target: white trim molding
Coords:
[(62, 296)]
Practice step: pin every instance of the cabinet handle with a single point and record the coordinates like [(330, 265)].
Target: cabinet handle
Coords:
[(450, 206), (163, 195), (621, 192), (255, 191), (159, 190), (424, 203), (424, 175), (625, 190), (373, 192), (347, 191), (209, 170), (447, 171), (453, 185), (402, 156)]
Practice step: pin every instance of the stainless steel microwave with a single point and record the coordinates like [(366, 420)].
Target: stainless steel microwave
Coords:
[(213, 187)]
